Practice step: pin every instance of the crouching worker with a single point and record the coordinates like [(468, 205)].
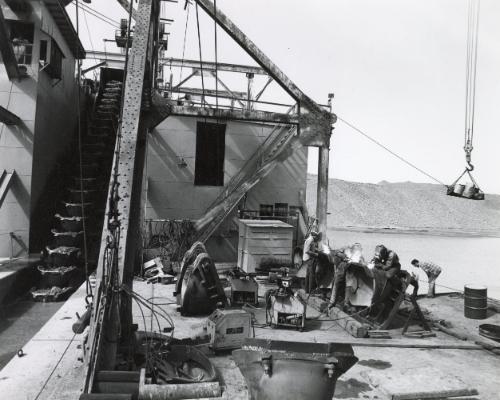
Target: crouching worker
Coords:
[(310, 259), (432, 271), (386, 260)]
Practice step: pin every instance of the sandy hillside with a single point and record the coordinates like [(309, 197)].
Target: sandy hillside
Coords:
[(405, 205)]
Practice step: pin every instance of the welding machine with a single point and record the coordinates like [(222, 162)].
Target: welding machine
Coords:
[(244, 288), (228, 328), (284, 307)]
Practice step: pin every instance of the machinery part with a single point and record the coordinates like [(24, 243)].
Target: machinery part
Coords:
[(184, 364), (188, 259), (292, 370), (79, 326), (149, 391), (105, 396), (117, 383), (201, 291), (285, 308), (370, 288), (490, 331), (244, 288), (228, 328)]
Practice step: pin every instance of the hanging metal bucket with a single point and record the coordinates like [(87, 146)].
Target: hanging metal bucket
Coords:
[(276, 370), (458, 189), (469, 191), (475, 302)]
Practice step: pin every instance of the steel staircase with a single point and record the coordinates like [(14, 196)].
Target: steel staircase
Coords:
[(273, 150), (63, 262)]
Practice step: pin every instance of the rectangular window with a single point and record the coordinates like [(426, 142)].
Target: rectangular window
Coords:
[(210, 150), (43, 51), (21, 36), (54, 67)]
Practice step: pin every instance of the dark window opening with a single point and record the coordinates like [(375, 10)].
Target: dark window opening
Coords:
[(54, 65), (210, 149), (266, 210), (43, 51), (281, 209), (21, 36)]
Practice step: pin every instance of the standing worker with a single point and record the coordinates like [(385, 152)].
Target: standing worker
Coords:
[(432, 271), (310, 259)]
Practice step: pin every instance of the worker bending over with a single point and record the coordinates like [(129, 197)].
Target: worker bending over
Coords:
[(386, 260), (432, 271), (310, 259)]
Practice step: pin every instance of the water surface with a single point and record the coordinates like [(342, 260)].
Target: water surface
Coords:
[(464, 260)]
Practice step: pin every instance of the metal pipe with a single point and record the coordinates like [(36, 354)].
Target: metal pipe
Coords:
[(322, 191)]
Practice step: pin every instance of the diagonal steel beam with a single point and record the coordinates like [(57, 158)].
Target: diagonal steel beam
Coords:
[(258, 55), (315, 127)]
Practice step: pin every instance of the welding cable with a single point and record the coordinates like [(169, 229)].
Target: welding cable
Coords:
[(55, 367)]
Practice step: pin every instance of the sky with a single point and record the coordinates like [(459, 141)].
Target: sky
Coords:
[(396, 67)]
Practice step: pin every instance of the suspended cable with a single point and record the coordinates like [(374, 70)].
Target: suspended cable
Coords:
[(201, 59), (390, 151), (216, 58), (184, 41), (88, 31), (469, 191), (114, 25), (470, 78), (98, 13)]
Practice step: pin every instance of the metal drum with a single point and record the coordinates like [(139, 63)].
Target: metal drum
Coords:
[(469, 191), (458, 189), (475, 301)]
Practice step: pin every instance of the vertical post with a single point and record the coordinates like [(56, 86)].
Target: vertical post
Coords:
[(322, 191), (250, 76)]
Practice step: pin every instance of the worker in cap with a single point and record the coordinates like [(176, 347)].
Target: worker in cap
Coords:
[(310, 259)]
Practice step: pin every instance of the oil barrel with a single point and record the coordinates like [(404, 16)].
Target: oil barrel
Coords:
[(469, 191), (475, 301), (458, 189)]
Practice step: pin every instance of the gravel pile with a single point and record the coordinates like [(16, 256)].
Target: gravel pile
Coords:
[(406, 205)]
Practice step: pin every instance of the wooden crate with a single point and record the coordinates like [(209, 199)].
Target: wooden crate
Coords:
[(264, 240)]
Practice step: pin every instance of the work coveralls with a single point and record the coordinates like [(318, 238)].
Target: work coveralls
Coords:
[(310, 262), (390, 265)]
